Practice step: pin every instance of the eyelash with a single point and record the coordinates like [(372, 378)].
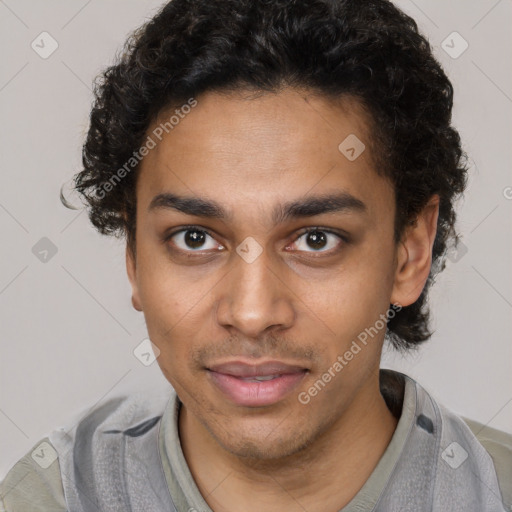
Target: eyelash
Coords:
[(343, 238)]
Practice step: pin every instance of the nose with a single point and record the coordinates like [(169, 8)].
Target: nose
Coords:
[(254, 298)]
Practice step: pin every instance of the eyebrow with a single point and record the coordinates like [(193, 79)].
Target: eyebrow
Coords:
[(308, 206)]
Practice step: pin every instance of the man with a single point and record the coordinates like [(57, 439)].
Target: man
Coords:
[(284, 174)]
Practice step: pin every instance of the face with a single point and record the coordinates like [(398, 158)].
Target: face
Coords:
[(262, 254)]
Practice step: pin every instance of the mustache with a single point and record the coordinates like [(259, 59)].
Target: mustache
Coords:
[(270, 347)]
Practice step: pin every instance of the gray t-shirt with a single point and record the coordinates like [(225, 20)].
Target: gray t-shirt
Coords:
[(126, 456)]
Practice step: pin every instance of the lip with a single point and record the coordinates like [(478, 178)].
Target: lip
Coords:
[(229, 379), (246, 370)]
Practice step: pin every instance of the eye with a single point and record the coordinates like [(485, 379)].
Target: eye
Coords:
[(193, 239), (317, 240)]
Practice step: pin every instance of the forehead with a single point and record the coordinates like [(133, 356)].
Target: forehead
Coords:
[(259, 150)]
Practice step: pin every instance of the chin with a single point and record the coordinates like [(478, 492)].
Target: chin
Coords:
[(264, 445)]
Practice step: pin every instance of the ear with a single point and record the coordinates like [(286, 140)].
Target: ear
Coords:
[(131, 269), (414, 255)]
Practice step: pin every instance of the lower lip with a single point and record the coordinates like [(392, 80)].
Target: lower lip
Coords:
[(256, 394)]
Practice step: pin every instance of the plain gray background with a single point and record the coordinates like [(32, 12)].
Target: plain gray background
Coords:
[(68, 330)]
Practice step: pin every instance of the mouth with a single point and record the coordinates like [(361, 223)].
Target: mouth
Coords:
[(255, 385)]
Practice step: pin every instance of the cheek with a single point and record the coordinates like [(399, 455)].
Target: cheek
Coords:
[(351, 298), (168, 292), (164, 298), (178, 310)]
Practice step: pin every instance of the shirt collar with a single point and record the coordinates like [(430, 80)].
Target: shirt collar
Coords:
[(399, 392)]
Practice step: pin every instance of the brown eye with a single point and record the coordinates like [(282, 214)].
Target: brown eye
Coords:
[(317, 240), (193, 239)]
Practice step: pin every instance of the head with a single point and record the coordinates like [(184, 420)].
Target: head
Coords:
[(283, 173)]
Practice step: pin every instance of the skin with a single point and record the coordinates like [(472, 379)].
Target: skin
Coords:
[(294, 303)]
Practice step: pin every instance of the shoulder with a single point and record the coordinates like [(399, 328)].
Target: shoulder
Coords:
[(34, 482), (499, 446), (481, 456)]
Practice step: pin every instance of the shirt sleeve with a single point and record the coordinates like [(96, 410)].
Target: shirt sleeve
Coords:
[(499, 446), (33, 485)]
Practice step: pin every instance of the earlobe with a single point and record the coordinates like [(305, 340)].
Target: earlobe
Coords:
[(414, 255), (131, 270)]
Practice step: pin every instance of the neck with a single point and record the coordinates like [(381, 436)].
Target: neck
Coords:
[(323, 477)]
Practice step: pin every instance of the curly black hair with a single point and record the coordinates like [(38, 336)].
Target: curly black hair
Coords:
[(366, 49)]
